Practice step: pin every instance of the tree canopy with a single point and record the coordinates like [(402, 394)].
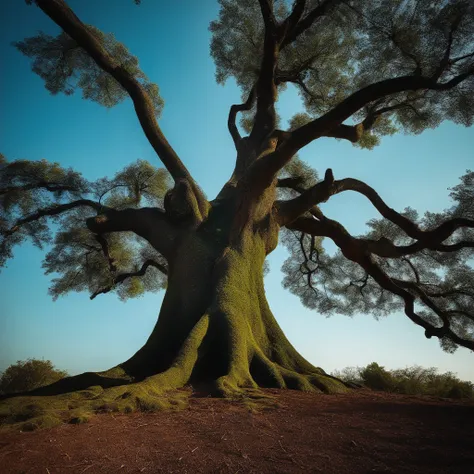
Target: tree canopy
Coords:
[(363, 69)]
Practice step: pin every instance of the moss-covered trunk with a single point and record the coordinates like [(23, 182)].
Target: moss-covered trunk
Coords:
[(216, 326), (215, 329)]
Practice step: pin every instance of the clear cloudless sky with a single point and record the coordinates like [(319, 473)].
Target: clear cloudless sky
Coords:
[(171, 40)]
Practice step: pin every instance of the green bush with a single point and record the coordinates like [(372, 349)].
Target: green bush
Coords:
[(376, 377), (414, 380), (28, 375)]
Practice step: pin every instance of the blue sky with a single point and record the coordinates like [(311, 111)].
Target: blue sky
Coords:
[(172, 43)]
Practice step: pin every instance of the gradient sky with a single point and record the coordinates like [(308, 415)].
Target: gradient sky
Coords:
[(171, 39)]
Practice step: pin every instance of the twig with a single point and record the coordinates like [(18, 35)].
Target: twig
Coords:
[(281, 446), (145, 424), (90, 465)]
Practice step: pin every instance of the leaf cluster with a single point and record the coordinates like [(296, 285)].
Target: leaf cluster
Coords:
[(65, 66), (355, 44), (35, 194)]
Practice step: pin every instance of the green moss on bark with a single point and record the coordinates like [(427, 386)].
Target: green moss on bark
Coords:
[(215, 329)]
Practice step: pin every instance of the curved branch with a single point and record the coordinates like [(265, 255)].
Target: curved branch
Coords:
[(54, 211), (247, 105), (288, 211), (124, 276), (354, 250), (430, 237), (63, 16), (345, 109)]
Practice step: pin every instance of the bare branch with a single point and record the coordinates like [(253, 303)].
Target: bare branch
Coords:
[(247, 105), (435, 236), (54, 211), (433, 239), (119, 279)]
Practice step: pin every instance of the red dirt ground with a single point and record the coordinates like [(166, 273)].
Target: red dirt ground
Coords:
[(361, 432)]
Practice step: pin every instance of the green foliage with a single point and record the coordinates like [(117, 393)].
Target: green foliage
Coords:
[(400, 38), (414, 380), (64, 66), (28, 375), (377, 378), (347, 49), (330, 283), (76, 257), (26, 186), (137, 184)]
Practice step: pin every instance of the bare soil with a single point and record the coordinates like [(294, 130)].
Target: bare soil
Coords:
[(360, 432)]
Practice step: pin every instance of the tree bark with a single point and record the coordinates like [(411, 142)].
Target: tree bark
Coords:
[(215, 328)]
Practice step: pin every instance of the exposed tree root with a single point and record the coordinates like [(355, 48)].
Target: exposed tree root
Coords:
[(241, 367), (76, 398)]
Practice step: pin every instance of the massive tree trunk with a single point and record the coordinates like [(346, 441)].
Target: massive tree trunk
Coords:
[(215, 329)]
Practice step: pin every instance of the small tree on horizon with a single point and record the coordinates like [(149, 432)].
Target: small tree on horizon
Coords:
[(29, 374), (364, 70)]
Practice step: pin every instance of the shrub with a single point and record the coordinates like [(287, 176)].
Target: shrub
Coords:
[(349, 374), (376, 377), (413, 380), (28, 375)]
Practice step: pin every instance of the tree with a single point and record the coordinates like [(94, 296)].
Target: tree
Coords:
[(363, 74), (28, 375)]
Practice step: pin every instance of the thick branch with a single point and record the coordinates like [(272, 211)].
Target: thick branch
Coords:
[(353, 133), (266, 90), (435, 236), (124, 276), (425, 239), (63, 16), (150, 223), (290, 23), (105, 249), (292, 183), (324, 125), (288, 211), (354, 250)]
